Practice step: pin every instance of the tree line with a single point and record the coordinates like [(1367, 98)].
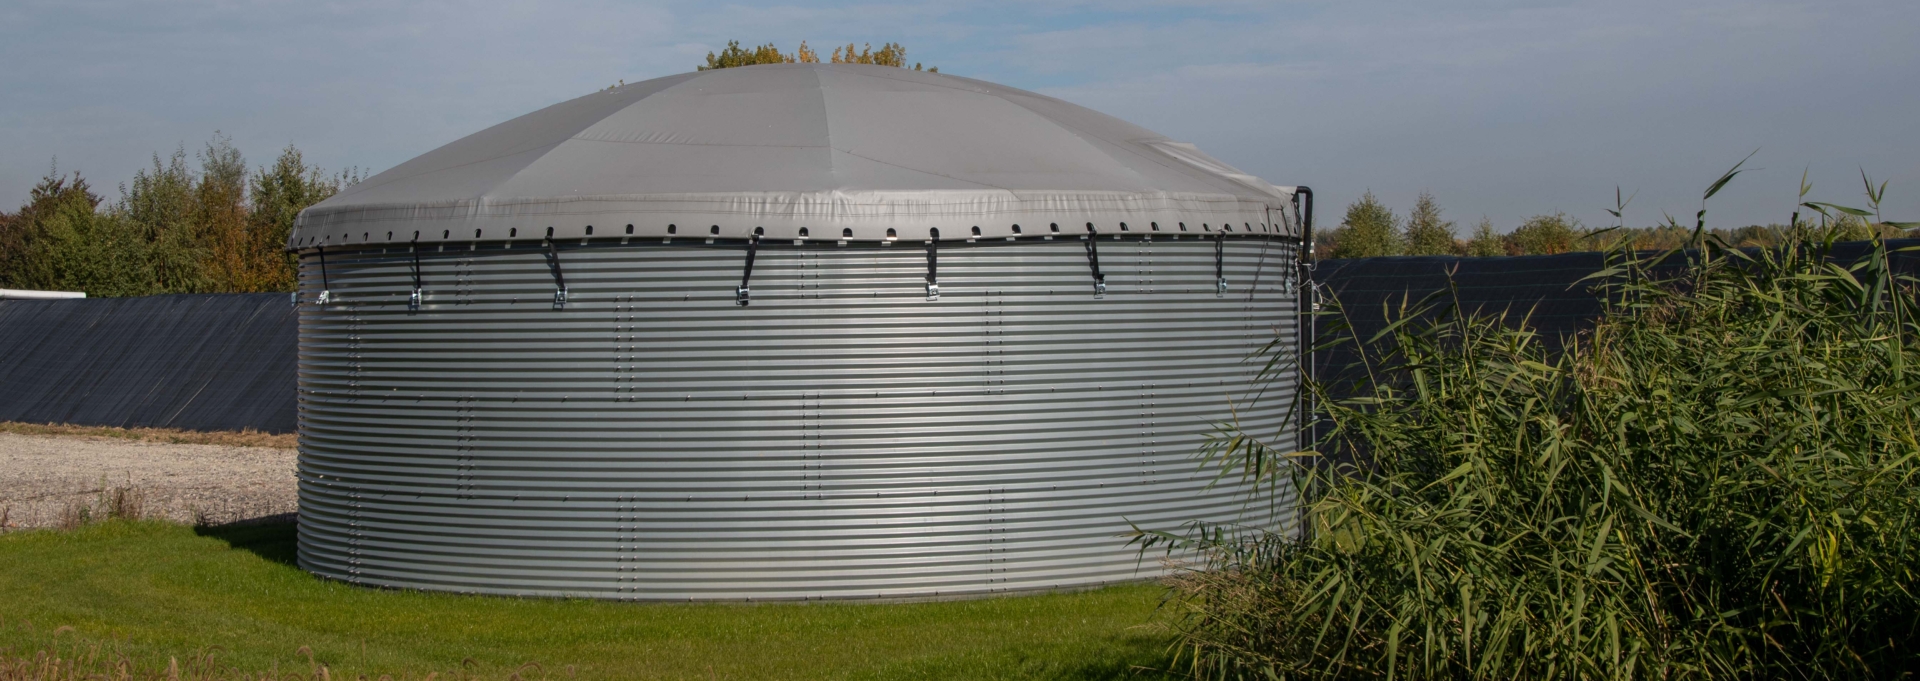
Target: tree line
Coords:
[(1370, 229), (889, 54), (210, 224), (214, 226)]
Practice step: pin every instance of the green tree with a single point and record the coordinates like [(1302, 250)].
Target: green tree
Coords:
[(161, 206), (220, 212), (277, 195), (1427, 234), (1754, 235), (12, 241), (734, 56), (1485, 243), (1544, 235), (1370, 230), (61, 241), (889, 54), (176, 229)]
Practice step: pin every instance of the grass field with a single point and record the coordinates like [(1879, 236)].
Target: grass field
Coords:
[(152, 591)]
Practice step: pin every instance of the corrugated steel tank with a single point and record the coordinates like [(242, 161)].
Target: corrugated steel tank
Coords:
[(843, 436)]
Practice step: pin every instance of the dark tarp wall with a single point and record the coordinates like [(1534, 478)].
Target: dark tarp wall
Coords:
[(1546, 290), (195, 362)]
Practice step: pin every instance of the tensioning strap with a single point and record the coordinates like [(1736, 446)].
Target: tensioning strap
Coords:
[(559, 277), (413, 301), (933, 266), (1219, 264), (326, 289), (740, 295), (1093, 262)]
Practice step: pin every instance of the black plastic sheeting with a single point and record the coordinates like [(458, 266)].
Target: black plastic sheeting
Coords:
[(194, 362), (1546, 291)]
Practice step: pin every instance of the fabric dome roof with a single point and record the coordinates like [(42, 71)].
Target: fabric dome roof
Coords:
[(839, 149)]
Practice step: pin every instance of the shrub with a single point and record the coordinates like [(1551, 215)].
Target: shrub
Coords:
[(1369, 230), (1427, 234), (1719, 481), (1545, 235), (1485, 242)]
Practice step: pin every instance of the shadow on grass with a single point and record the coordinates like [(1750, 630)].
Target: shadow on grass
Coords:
[(1140, 660), (274, 538), (1127, 657)]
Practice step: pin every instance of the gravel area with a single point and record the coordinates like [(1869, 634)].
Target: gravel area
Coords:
[(43, 479)]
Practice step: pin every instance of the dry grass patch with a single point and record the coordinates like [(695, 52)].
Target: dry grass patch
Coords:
[(244, 438), (71, 658)]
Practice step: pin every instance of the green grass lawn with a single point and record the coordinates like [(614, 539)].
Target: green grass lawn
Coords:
[(155, 590)]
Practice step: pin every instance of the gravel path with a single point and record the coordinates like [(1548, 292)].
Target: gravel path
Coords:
[(44, 478)]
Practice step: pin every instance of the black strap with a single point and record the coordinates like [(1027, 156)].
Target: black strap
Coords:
[(740, 295), (753, 245), (559, 276), (1093, 255), (1219, 256), (323, 269), (933, 262), (553, 257), (414, 249), (1220, 263), (413, 301), (933, 268)]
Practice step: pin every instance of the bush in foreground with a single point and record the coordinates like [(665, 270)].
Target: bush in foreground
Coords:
[(1718, 482)]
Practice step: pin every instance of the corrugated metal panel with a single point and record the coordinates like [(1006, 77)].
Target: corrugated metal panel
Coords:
[(840, 437), (197, 362)]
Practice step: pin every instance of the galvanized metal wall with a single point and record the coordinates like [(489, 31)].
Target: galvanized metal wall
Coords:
[(842, 437)]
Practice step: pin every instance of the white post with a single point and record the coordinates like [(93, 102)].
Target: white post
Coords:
[(18, 294)]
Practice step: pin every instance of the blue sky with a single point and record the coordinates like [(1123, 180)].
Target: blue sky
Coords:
[(1501, 109)]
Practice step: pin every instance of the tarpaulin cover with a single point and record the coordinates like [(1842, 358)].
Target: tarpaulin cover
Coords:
[(195, 362), (1545, 291), (780, 147)]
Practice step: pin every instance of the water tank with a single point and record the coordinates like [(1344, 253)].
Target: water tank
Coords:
[(783, 332)]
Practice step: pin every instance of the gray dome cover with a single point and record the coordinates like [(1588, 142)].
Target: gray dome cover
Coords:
[(785, 147)]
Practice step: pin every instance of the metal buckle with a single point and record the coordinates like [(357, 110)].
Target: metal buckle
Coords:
[(559, 298), (740, 296)]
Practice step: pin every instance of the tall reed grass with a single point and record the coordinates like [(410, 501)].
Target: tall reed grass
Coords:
[(1718, 481)]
